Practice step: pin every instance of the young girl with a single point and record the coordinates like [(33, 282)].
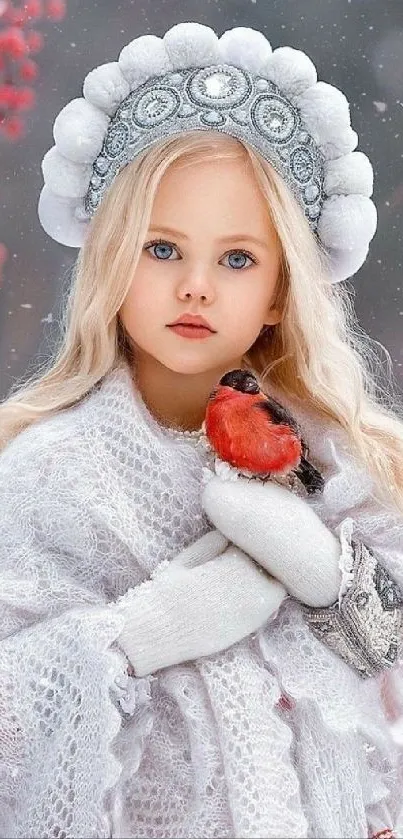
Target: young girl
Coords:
[(182, 655)]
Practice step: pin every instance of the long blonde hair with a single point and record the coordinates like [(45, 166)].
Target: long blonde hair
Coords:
[(317, 353)]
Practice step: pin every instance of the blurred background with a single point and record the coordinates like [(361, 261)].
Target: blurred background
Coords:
[(356, 45)]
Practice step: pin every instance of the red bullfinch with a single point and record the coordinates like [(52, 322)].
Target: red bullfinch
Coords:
[(252, 431)]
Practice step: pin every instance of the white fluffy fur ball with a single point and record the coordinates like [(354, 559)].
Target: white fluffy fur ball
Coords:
[(191, 45), (347, 222), (245, 48), (106, 87), (79, 131), (143, 58), (351, 173), (64, 177), (292, 71), (326, 114)]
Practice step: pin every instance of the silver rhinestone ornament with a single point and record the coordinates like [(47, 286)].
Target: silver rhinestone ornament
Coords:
[(226, 99)]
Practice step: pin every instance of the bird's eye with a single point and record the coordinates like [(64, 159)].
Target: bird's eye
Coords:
[(251, 386)]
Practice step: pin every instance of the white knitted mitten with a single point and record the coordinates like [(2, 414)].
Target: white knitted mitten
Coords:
[(281, 532), (203, 601)]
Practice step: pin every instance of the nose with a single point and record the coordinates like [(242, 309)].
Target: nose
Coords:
[(196, 285)]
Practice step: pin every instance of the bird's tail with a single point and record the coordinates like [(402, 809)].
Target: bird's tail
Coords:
[(309, 476)]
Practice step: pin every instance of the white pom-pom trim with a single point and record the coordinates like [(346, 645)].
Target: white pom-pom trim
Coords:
[(326, 115), (347, 222), (79, 131), (245, 48), (344, 264), (63, 177), (106, 87), (352, 173), (57, 217), (291, 70), (143, 58), (191, 45)]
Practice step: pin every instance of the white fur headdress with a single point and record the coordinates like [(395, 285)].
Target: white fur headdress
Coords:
[(236, 84)]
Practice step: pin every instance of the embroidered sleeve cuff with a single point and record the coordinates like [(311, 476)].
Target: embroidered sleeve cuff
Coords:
[(365, 625)]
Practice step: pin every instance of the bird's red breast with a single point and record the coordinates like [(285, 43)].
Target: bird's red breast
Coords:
[(241, 433)]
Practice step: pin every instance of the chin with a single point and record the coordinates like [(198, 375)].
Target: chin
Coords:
[(189, 368)]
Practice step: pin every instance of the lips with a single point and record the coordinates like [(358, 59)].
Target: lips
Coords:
[(191, 331), (192, 320), (191, 325)]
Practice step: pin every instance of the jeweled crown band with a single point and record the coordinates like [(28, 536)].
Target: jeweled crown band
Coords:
[(227, 99)]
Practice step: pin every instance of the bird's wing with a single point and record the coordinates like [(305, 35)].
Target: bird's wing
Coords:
[(278, 414)]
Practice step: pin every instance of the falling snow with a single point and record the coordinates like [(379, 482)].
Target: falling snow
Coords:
[(381, 107)]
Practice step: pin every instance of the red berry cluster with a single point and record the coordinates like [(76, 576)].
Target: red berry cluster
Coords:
[(18, 42)]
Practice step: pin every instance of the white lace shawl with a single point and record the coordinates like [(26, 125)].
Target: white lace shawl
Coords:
[(91, 501)]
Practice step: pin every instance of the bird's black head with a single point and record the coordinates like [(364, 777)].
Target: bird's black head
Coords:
[(241, 380)]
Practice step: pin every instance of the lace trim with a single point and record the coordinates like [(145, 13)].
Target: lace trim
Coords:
[(365, 627)]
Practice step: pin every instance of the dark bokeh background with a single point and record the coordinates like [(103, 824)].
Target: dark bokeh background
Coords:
[(356, 45)]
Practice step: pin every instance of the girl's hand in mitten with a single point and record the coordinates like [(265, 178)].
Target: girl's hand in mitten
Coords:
[(281, 532), (203, 601)]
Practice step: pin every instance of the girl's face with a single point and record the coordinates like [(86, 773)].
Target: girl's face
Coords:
[(211, 250)]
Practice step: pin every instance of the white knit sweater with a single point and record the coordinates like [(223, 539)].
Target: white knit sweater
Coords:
[(91, 501)]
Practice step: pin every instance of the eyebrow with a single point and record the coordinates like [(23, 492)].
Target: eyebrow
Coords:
[(238, 237)]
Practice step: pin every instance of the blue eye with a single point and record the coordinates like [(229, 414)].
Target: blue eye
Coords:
[(163, 246), (243, 256), (165, 250)]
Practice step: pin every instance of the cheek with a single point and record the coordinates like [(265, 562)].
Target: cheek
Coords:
[(251, 300), (130, 310), (142, 306), (138, 294)]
